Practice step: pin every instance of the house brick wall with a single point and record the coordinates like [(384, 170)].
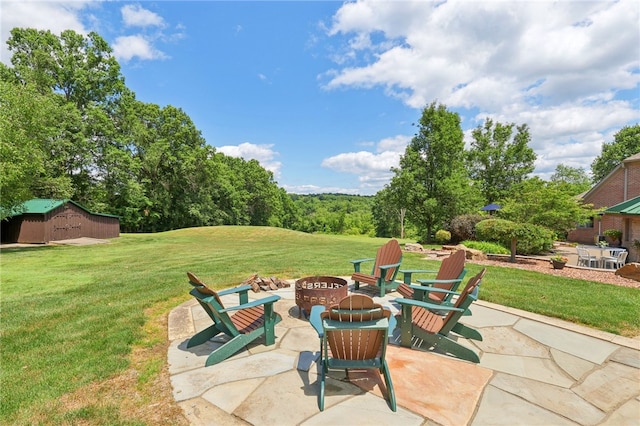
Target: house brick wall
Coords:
[(621, 185)]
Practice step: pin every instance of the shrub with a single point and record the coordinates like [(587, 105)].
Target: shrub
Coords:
[(614, 234), (486, 247), (531, 239), (443, 236), (463, 227)]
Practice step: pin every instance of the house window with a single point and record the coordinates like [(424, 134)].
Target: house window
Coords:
[(588, 224)]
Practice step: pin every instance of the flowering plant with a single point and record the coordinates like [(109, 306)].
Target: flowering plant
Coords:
[(559, 258), (603, 243)]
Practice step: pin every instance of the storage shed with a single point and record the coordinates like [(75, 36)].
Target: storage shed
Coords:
[(43, 220)]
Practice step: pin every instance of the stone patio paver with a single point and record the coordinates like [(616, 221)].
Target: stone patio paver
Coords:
[(534, 370)]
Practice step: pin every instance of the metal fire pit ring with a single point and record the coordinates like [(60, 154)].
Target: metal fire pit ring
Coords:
[(319, 290)]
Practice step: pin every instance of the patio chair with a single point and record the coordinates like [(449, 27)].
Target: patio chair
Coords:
[(419, 326), (586, 259), (617, 261), (242, 323), (448, 277), (355, 336), (385, 268)]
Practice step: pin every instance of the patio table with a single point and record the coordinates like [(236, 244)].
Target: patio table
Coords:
[(612, 252)]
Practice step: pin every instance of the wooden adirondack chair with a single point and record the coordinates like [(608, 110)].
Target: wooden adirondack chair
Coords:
[(448, 277), (355, 336), (243, 323), (419, 325), (385, 268)]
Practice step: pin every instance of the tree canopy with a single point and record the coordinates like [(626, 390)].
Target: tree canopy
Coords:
[(498, 159), (626, 142)]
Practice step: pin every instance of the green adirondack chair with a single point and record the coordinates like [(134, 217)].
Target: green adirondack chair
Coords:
[(355, 336), (418, 324), (448, 277), (383, 275), (243, 323)]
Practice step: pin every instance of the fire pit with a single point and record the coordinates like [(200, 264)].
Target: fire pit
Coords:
[(317, 290)]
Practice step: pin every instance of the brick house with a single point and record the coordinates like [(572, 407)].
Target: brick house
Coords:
[(619, 186)]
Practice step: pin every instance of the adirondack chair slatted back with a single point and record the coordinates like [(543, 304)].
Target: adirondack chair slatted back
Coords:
[(467, 296), (387, 254), (451, 268), (435, 323), (356, 344), (199, 285)]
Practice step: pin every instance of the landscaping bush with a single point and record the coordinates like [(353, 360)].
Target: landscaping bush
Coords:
[(463, 227), (443, 236), (531, 239), (486, 247)]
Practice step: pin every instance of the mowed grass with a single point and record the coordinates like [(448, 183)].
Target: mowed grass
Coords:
[(71, 316)]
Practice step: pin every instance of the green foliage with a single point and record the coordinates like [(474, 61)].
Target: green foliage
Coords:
[(443, 236), (333, 214), (463, 227), (546, 204), (485, 247), (573, 181), (498, 159), (531, 239), (626, 142)]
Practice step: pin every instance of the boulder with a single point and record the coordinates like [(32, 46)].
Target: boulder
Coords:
[(473, 254), (630, 270), (413, 247)]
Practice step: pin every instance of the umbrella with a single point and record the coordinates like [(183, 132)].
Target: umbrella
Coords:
[(490, 208)]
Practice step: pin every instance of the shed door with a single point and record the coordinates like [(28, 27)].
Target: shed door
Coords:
[(67, 225)]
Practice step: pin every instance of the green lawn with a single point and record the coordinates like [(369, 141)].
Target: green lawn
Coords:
[(72, 315)]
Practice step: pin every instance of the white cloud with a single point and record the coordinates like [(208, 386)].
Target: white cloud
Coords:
[(54, 16), (126, 48), (264, 154), (373, 169), (557, 66), (137, 16)]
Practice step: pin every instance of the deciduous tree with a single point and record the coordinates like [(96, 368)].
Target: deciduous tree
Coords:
[(499, 159)]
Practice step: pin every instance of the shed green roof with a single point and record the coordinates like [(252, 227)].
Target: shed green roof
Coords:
[(45, 205), (630, 207), (39, 206)]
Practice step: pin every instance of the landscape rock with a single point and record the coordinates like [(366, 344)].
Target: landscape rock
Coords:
[(630, 270), (413, 247)]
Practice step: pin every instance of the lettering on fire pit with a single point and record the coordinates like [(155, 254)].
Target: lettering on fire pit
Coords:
[(319, 290)]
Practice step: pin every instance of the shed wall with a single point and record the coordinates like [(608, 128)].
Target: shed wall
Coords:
[(63, 223)]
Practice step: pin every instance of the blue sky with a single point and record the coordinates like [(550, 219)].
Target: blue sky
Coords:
[(325, 94)]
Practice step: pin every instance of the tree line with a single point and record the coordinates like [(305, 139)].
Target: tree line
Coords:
[(71, 128)]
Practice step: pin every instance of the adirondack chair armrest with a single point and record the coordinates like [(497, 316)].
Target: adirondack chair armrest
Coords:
[(357, 262), (238, 289), (428, 283), (385, 268), (407, 273), (412, 302), (427, 289), (264, 301)]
